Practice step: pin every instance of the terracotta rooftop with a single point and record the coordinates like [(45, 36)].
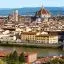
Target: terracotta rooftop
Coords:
[(42, 35), (43, 60), (3, 53), (42, 11), (29, 33)]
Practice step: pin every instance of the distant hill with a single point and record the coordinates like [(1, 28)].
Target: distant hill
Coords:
[(31, 10)]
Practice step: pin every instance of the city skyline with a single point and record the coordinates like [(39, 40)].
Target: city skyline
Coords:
[(30, 3)]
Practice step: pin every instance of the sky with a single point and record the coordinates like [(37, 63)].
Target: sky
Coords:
[(30, 3)]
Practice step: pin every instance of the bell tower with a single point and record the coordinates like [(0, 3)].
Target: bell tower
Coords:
[(16, 15)]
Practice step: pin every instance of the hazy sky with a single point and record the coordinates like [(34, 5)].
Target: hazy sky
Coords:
[(30, 3)]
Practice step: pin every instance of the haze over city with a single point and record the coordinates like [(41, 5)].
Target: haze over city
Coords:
[(30, 3), (31, 31)]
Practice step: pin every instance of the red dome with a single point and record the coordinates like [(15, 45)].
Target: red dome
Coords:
[(42, 11)]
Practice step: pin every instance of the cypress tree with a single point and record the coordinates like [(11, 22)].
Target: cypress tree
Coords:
[(22, 58)]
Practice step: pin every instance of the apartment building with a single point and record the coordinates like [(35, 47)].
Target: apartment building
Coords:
[(43, 37), (53, 37), (28, 36)]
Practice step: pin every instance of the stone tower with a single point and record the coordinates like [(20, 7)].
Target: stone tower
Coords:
[(16, 15)]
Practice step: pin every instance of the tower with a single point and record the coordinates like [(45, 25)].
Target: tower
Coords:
[(41, 8), (16, 15)]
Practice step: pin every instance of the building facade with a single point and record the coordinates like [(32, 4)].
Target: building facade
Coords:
[(28, 36), (44, 37), (53, 37)]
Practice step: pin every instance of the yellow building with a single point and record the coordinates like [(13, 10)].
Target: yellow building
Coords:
[(28, 36), (53, 37), (42, 38)]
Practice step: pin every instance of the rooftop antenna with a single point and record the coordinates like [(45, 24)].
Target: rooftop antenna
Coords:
[(42, 5), (41, 8)]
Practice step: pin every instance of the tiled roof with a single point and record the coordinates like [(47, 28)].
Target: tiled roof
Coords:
[(43, 11), (42, 35), (3, 53), (29, 33)]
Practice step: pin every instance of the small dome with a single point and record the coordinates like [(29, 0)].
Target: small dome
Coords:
[(44, 33), (28, 29), (38, 33)]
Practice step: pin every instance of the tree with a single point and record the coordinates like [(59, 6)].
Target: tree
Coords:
[(9, 59), (57, 61), (2, 62), (22, 58), (12, 58), (0, 42), (15, 56)]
